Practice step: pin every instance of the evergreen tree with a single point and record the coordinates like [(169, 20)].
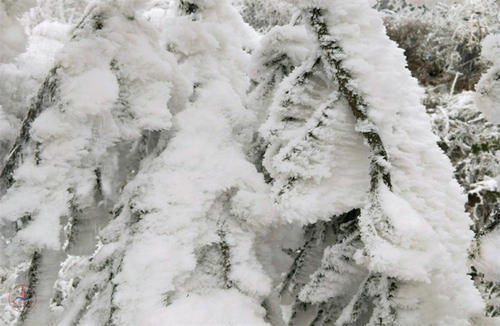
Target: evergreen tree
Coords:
[(101, 109), (182, 239), (351, 150)]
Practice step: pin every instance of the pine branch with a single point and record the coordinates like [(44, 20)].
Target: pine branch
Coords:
[(45, 98), (332, 54), (226, 256), (31, 284), (311, 237)]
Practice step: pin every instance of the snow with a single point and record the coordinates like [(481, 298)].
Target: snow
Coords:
[(489, 259), (178, 197), (90, 93), (12, 37), (220, 308), (6, 128), (290, 40), (47, 222), (151, 104), (411, 247), (491, 47), (277, 53)]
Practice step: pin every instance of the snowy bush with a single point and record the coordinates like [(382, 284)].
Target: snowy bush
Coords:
[(442, 41)]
